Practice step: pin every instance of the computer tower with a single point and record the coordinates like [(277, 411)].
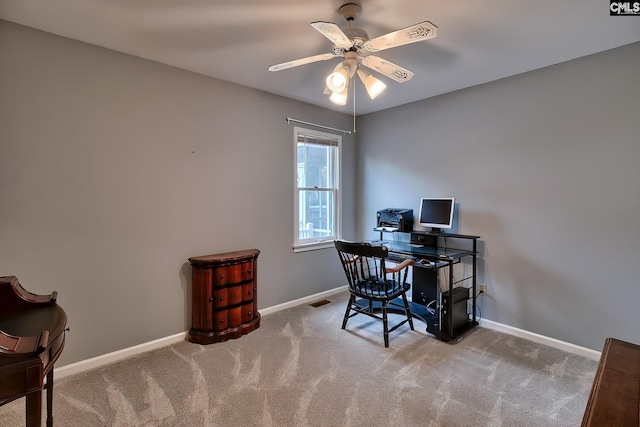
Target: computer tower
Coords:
[(424, 288), (459, 315)]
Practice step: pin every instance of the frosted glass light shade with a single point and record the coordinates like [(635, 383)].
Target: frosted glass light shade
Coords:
[(339, 98), (374, 86)]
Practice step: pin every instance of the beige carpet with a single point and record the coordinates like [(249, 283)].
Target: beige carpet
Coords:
[(300, 369)]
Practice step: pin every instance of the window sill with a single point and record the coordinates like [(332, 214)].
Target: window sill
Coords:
[(313, 246)]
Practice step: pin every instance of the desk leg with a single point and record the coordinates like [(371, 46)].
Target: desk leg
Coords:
[(34, 408), (50, 398)]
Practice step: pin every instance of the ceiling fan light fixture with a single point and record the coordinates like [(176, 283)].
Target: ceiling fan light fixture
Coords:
[(355, 46), (339, 98), (374, 86)]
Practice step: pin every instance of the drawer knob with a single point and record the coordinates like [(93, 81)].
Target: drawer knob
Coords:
[(249, 312), (221, 298), (221, 320), (222, 276), (211, 299), (249, 292), (248, 270)]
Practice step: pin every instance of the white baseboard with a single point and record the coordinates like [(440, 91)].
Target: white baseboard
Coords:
[(304, 300), (116, 356), (541, 339), (105, 359)]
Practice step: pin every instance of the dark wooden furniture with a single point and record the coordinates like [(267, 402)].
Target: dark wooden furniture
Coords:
[(32, 332), (615, 395), (370, 279), (224, 299)]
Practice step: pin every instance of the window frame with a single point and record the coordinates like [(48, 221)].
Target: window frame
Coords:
[(313, 243)]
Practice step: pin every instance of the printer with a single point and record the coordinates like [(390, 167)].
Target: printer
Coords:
[(394, 219)]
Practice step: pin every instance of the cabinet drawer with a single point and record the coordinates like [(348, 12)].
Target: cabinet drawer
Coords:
[(233, 273), (235, 295), (248, 290), (232, 317), (248, 313), (221, 320), (235, 317), (220, 297)]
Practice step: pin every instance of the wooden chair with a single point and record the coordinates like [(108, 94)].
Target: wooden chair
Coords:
[(32, 331), (373, 285)]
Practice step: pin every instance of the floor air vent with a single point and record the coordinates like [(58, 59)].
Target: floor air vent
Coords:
[(320, 303)]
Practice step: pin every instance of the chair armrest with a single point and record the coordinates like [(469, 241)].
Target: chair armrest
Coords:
[(354, 259), (404, 264)]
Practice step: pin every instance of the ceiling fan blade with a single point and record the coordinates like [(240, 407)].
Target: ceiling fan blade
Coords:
[(387, 68), (302, 61), (415, 33), (333, 33)]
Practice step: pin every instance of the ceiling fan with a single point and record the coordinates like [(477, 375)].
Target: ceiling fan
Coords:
[(355, 47)]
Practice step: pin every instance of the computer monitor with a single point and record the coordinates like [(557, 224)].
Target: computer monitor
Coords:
[(436, 213)]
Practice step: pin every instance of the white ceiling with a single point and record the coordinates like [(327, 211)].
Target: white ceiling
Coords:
[(236, 41)]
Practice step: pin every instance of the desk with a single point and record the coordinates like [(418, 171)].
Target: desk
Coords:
[(32, 331), (449, 320), (615, 395)]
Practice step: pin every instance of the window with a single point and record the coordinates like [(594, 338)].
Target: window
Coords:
[(317, 196)]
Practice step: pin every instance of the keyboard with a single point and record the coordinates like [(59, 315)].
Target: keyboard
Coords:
[(396, 257)]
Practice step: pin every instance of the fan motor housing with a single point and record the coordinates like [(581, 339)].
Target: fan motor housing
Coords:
[(357, 36)]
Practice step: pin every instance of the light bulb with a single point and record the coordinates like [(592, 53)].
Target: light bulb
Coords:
[(337, 81)]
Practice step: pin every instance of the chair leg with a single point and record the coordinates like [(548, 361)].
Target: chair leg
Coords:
[(385, 325), (407, 310), (346, 314)]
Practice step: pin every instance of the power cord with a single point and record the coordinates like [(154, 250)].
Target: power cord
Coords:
[(431, 310), (478, 309)]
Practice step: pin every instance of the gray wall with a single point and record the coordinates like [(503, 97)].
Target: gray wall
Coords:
[(114, 170), (545, 168)]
